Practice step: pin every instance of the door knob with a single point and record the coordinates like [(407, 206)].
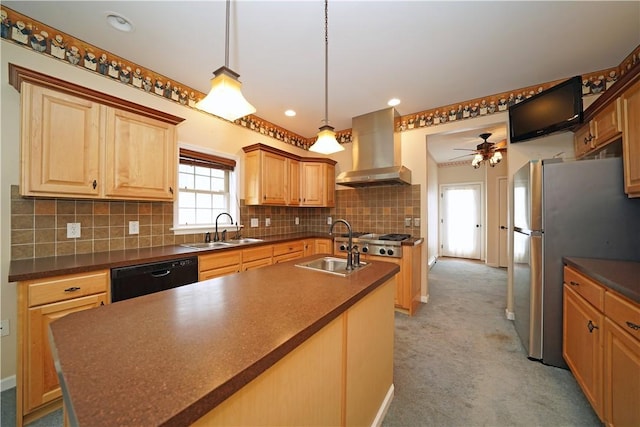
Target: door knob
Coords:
[(502, 227)]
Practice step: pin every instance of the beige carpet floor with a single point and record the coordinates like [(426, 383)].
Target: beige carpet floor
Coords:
[(459, 361)]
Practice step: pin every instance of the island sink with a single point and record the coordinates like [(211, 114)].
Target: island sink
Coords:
[(331, 265)]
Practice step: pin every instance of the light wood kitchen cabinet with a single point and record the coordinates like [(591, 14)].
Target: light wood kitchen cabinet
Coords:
[(287, 251), (603, 129), (265, 178), (582, 346), (275, 177), (40, 302), (621, 361), (218, 264), (601, 345), (293, 190), (324, 246), (79, 143), (257, 257), (318, 184), (630, 101), (54, 126), (141, 154)]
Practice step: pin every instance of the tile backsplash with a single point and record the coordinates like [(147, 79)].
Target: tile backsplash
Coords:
[(39, 226)]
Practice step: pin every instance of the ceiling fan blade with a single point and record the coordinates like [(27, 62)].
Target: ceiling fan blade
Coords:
[(465, 149), (501, 144), (459, 157)]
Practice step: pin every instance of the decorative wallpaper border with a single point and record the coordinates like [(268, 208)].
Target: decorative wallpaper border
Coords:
[(40, 38)]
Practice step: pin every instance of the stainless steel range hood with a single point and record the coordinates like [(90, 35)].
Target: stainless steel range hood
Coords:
[(376, 152)]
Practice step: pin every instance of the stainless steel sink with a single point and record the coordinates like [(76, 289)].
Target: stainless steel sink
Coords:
[(209, 245), (244, 241), (331, 265), (225, 244)]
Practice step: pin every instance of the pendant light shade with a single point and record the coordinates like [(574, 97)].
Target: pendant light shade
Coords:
[(326, 142), (225, 97)]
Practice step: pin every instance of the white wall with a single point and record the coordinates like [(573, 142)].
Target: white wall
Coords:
[(198, 129), (432, 207)]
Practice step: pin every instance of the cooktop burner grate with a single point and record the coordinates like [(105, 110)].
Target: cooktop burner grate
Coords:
[(395, 237)]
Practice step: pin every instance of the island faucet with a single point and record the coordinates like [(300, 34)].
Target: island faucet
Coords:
[(216, 237), (349, 244)]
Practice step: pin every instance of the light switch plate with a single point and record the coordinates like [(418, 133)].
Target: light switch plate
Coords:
[(416, 222), (73, 230), (134, 227), (297, 221), (329, 220), (407, 222), (254, 222), (267, 222)]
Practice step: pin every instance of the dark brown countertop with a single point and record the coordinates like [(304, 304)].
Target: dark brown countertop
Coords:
[(620, 276), (37, 268), (170, 357)]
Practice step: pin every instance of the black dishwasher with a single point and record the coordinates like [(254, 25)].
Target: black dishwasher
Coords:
[(143, 279)]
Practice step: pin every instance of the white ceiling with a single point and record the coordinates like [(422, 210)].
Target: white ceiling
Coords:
[(428, 54)]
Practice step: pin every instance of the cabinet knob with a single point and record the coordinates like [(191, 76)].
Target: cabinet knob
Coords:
[(72, 289), (171, 190), (572, 283), (591, 326), (264, 197), (94, 184), (633, 326)]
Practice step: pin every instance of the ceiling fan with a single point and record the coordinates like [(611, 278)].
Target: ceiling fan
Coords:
[(486, 151)]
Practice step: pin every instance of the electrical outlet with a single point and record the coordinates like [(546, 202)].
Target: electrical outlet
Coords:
[(329, 220), (297, 221), (73, 230), (407, 222), (134, 227), (267, 222), (4, 327), (254, 222), (416, 222)]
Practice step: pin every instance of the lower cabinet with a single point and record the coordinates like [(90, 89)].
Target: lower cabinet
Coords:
[(601, 345), (287, 251), (40, 302), (219, 264), (323, 246), (257, 257)]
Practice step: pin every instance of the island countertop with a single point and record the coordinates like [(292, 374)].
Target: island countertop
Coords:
[(169, 358)]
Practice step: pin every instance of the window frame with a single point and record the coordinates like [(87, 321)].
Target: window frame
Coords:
[(234, 196)]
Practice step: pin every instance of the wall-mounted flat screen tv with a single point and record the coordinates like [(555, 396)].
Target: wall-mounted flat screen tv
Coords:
[(555, 109)]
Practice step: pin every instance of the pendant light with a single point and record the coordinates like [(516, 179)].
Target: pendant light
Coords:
[(326, 142), (225, 98)]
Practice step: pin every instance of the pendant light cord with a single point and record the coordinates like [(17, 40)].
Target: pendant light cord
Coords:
[(326, 62), (226, 36)]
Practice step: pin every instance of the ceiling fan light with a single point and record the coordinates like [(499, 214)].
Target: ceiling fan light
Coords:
[(498, 156), (326, 142), (225, 97)]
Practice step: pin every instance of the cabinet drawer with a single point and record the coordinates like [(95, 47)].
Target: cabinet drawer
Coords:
[(585, 287), (60, 288), (288, 247), (253, 254), (258, 263), (219, 259), (623, 312), (287, 257)]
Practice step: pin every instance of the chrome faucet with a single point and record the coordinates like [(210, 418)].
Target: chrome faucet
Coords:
[(216, 237), (349, 244)]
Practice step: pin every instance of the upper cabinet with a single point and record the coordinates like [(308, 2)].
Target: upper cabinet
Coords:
[(631, 139), (612, 127), (275, 177), (79, 143)]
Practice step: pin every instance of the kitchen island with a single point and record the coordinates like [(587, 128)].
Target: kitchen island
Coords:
[(278, 345)]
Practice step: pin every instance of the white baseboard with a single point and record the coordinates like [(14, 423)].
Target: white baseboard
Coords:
[(7, 383), (424, 299), (510, 314), (382, 411), (432, 262)]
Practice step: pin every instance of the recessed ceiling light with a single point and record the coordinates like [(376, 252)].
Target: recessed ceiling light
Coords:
[(393, 102), (119, 22), (290, 113)]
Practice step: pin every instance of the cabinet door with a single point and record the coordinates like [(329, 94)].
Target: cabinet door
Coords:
[(582, 345), (41, 385), (330, 186), (399, 300), (141, 157), (274, 178), (312, 184), (293, 196), (583, 140), (324, 246), (621, 377), (607, 124), (631, 140), (219, 264), (61, 144)]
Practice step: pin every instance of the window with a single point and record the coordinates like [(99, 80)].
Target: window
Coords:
[(205, 190)]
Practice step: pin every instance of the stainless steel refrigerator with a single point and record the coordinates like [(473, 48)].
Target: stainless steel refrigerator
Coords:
[(574, 208)]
